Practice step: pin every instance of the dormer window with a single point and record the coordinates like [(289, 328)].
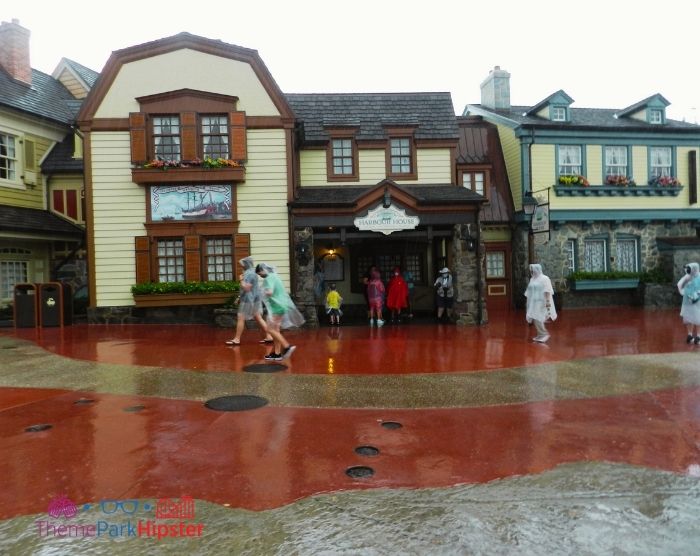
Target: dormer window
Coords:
[(656, 116), (559, 113)]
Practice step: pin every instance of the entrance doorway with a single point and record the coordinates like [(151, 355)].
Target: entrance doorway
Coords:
[(499, 297)]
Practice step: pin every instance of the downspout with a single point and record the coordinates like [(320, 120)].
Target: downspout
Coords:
[(479, 289)]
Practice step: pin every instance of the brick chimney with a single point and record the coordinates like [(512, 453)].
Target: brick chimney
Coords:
[(495, 89), (14, 51)]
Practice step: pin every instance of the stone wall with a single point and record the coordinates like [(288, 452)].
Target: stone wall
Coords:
[(303, 267), (469, 284)]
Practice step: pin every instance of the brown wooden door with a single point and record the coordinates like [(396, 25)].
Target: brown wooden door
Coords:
[(499, 296)]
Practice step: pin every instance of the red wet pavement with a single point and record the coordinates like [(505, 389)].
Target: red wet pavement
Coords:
[(272, 456), (392, 349)]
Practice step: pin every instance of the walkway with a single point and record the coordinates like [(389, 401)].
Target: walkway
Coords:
[(552, 443)]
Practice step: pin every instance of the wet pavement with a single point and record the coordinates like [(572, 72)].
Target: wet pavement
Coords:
[(406, 439)]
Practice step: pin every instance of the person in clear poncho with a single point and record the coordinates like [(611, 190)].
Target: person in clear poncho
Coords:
[(540, 302), (250, 303), (689, 288), (281, 312)]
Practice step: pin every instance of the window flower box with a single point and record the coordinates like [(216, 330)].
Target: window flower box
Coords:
[(620, 181), (581, 281), (574, 180), (617, 191), (664, 181), (209, 170), (184, 293)]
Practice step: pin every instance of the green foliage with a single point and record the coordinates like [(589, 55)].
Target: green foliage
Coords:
[(654, 276), (150, 288)]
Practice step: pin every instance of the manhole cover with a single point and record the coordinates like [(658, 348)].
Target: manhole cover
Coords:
[(367, 451), (359, 472), (83, 401), (235, 403), (391, 425), (264, 368), (37, 428), (134, 408)]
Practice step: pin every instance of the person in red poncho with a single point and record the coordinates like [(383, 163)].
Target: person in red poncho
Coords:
[(397, 295)]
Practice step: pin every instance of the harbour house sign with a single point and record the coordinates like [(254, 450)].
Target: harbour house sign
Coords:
[(386, 220)]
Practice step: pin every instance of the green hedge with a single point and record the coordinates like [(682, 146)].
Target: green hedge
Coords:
[(149, 288), (654, 276)]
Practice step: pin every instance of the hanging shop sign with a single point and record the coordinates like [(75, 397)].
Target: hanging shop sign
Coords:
[(386, 220)]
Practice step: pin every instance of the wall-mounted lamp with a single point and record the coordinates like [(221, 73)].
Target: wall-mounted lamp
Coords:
[(302, 252), (529, 203), (386, 203), (469, 241)]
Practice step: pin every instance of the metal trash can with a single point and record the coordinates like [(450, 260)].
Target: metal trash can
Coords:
[(25, 311), (50, 304)]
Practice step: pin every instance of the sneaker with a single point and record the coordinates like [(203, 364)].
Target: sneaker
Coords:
[(537, 338), (697, 340), (286, 352), (544, 338), (370, 322), (273, 357), (689, 339), (380, 322)]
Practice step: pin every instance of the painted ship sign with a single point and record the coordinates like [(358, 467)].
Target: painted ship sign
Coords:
[(386, 220)]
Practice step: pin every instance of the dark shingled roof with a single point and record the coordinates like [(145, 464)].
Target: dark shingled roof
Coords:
[(582, 118), (432, 113), (26, 220), (86, 74), (60, 160), (342, 196), (45, 98)]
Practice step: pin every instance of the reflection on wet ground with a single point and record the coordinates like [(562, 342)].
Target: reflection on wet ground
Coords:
[(590, 444)]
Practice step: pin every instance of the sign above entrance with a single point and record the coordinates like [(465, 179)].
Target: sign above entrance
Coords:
[(386, 220)]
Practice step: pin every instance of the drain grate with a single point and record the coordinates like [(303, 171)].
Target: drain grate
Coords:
[(83, 401), (236, 403), (359, 472), (38, 428), (368, 451), (264, 368), (391, 425), (134, 408)]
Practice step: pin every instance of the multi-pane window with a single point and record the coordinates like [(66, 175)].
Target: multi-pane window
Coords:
[(474, 181), (401, 156), (570, 254), (411, 262), (615, 161), (12, 273), (166, 137), (558, 114), (594, 255), (215, 136), (219, 259), (660, 162), (627, 259), (495, 264), (170, 260), (656, 116), (8, 157), (342, 157), (570, 160)]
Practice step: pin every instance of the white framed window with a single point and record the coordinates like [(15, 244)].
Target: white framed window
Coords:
[(660, 162), (215, 137), (166, 138), (11, 274), (627, 253), (8, 157), (594, 255), (171, 260), (570, 161), (401, 156), (570, 254), (615, 161), (656, 116), (219, 258), (496, 264), (474, 181), (558, 114)]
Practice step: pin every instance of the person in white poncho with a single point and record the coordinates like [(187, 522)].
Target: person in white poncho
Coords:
[(689, 288), (540, 302)]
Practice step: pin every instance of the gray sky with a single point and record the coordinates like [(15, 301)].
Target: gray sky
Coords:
[(604, 54)]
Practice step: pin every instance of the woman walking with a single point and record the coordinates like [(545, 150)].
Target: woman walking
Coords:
[(540, 305), (250, 303), (689, 288)]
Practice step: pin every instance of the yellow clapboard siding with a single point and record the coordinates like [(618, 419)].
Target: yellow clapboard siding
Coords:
[(511, 154)]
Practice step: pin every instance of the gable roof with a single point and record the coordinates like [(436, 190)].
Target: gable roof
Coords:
[(37, 222), (60, 159), (637, 106), (432, 113), (46, 98)]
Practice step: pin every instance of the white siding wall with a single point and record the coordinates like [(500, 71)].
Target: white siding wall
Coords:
[(119, 214)]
